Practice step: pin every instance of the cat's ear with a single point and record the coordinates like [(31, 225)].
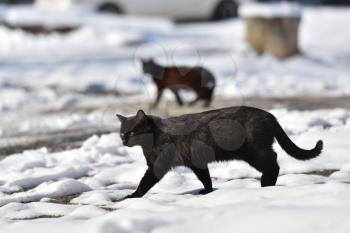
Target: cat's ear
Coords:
[(121, 118), (140, 115)]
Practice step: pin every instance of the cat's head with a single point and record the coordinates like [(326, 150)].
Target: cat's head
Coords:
[(147, 65), (136, 130)]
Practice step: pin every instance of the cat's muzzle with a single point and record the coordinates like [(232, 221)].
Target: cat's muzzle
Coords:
[(124, 139)]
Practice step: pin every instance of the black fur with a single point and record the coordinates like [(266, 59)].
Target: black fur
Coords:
[(194, 140)]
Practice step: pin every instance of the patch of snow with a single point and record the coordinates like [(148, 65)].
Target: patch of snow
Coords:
[(112, 171), (87, 212), (33, 210), (270, 10), (60, 188)]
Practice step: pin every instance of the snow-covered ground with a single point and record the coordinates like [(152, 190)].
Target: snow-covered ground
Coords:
[(103, 171), (104, 54), (41, 75)]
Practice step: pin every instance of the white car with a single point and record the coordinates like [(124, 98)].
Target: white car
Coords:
[(174, 9)]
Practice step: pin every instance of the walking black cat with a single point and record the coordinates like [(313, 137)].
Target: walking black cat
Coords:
[(195, 140), (197, 79)]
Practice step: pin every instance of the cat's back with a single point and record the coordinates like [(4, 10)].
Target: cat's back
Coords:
[(235, 112), (189, 122), (191, 76)]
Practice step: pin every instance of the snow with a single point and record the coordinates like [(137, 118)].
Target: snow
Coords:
[(104, 171), (104, 54), (41, 74), (332, 21), (47, 190), (270, 10), (32, 210)]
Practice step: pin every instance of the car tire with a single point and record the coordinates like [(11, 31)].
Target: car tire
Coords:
[(226, 9), (109, 8)]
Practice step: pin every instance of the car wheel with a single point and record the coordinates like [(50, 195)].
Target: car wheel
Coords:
[(109, 8), (225, 10)]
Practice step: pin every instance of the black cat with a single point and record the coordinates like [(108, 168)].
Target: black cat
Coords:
[(197, 79), (194, 140)]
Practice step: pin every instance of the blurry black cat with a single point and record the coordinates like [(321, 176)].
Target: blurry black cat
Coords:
[(194, 140), (176, 78)]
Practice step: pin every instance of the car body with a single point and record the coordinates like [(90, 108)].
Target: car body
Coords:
[(174, 9), (327, 2), (16, 2), (315, 2)]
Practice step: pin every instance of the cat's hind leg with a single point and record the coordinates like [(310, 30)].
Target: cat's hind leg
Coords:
[(204, 176), (270, 175), (207, 103), (265, 161), (269, 168)]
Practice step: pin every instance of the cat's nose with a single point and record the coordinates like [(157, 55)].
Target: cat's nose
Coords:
[(122, 136), (124, 141)]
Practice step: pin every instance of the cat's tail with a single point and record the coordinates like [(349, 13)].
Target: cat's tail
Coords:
[(292, 149)]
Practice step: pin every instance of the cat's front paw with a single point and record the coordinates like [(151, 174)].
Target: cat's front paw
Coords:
[(206, 191), (133, 195)]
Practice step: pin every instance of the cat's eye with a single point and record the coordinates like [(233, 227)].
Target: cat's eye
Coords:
[(132, 134)]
